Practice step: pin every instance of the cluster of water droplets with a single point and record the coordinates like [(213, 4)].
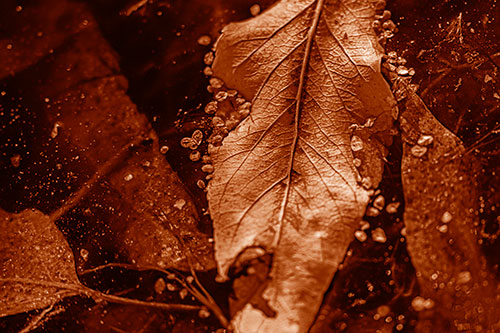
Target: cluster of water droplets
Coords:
[(226, 110)]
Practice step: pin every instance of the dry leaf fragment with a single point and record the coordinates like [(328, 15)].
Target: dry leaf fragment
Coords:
[(441, 197), (285, 178)]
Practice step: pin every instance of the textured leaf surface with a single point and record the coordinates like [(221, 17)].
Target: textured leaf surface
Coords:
[(285, 179), (442, 196), (37, 268)]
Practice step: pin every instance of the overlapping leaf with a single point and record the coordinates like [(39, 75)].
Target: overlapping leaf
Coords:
[(294, 178), (441, 195), (37, 268)]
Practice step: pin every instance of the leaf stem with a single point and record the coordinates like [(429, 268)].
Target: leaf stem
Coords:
[(102, 171), (98, 296)]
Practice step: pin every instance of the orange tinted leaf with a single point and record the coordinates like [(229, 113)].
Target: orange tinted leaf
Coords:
[(285, 179)]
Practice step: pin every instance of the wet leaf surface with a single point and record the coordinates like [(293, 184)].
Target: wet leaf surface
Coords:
[(104, 182), (37, 265), (285, 179), (441, 193)]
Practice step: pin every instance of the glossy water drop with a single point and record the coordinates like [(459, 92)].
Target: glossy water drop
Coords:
[(356, 143)]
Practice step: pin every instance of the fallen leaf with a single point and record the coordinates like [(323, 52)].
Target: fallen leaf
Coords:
[(285, 179), (37, 268), (28, 35), (442, 198), (83, 95)]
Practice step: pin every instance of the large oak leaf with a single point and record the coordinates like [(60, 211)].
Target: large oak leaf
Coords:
[(294, 178)]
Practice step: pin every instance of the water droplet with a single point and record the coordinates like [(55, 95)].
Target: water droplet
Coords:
[(255, 10), (443, 228), (197, 137), (356, 143), (179, 203), (379, 202), (128, 177), (401, 61), (446, 217), (392, 207), (211, 107), (55, 130), (418, 151), (372, 211), (367, 183), (425, 140), (203, 313), (221, 96), (207, 168), (218, 122), (356, 162), (232, 93), (186, 142), (164, 150), (402, 70), (360, 235), (195, 156), (418, 303), (386, 15), (84, 253), (364, 225), (208, 59), (383, 310), (201, 184), (15, 160), (171, 287), (204, 40), (206, 159), (389, 25), (216, 83), (183, 293), (208, 71), (160, 286), (378, 235)]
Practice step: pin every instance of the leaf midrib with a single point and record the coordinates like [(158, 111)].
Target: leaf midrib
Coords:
[(298, 99)]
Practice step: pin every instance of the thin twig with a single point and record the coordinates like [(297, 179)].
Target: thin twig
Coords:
[(103, 170), (98, 296), (210, 302)]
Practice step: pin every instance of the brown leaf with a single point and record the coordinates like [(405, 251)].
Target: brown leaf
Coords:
[(285, 179), (37, 268), (441, 195), (153, 220), (31, 32)]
